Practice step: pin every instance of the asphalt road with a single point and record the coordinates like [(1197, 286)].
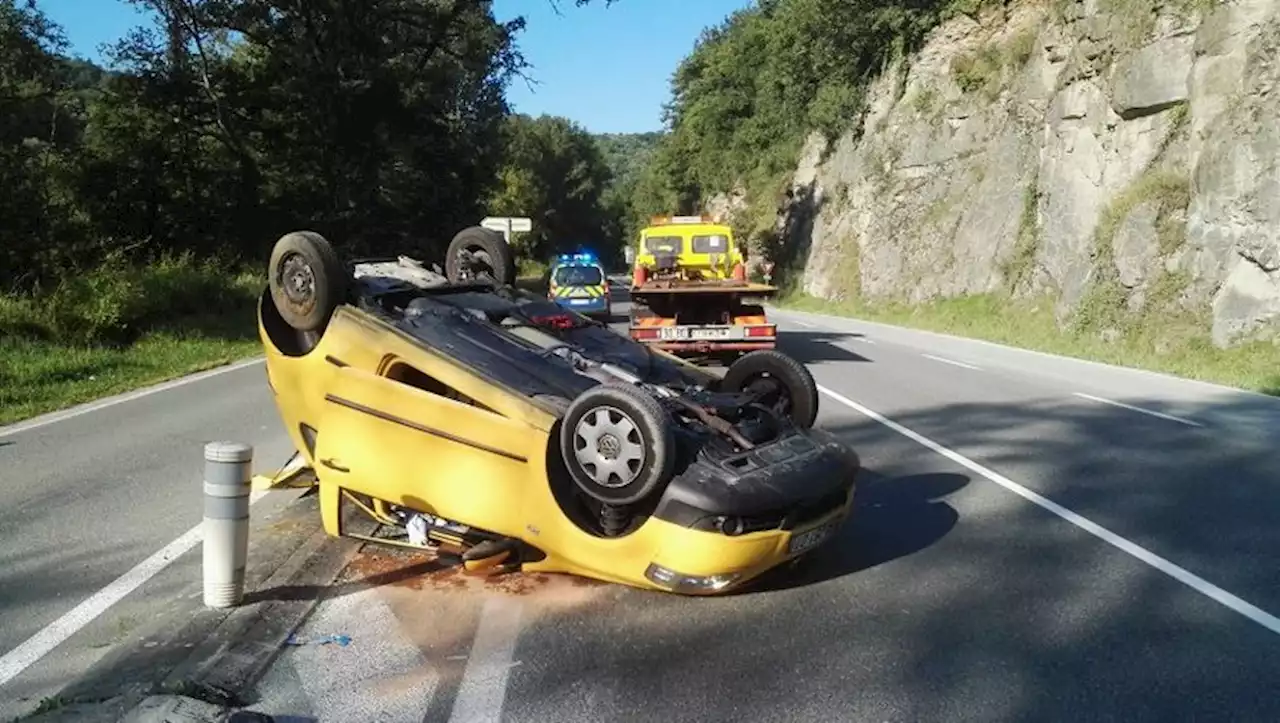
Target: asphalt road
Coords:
[(951, 595), (87, 496), (1040, 556)]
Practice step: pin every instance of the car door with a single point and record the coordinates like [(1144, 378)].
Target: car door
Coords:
[(405, 437)]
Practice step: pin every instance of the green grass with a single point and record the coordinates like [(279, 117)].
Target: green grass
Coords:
[(119, 327), (1178, 345)]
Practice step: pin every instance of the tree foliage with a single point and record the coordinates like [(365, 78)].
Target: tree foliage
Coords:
[(553, 172), (382, 124)]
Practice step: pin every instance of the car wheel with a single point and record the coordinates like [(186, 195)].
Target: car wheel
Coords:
[(618, 443), (490, 256), (306, 279), (782, 383)]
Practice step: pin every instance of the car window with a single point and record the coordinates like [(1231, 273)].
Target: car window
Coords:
[(663, 244), (579, 276), (715, 244)]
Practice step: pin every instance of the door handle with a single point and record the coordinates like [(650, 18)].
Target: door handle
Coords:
[(332, 464)]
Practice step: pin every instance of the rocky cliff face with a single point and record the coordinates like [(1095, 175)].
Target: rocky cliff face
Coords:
[(1121, 157)]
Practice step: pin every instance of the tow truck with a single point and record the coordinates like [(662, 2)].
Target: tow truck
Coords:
[(690, 294)]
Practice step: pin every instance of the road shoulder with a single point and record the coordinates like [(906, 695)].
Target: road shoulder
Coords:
[(216, 655)]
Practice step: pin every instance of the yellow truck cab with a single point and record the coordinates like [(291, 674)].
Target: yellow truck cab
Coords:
[(692, 247), (690, 291), (578, 282)]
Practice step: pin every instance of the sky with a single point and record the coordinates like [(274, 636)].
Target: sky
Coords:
[(608, 68)]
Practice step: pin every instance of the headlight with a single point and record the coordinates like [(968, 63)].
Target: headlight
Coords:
[(678, 582)]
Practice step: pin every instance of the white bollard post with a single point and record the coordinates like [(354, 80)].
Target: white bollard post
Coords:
[(228, 470)]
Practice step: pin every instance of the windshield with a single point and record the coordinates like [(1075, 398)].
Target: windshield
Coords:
[(579, 276)]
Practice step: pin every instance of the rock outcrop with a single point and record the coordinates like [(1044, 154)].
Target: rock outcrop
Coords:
[(1122, 152)]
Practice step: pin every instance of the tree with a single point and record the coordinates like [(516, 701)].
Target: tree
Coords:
[(553, 171)]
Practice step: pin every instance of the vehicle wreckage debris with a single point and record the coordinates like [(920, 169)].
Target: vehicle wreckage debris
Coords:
[(340, 640)]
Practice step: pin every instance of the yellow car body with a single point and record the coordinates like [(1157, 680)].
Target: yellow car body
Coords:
[(384, 419)]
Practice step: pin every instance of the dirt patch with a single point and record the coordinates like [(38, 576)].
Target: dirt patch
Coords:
[(427, 570)]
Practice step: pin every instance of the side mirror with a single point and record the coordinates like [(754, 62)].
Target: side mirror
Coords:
[(630, 254)]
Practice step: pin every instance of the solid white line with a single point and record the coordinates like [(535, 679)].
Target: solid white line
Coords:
[(1200, 585), (76, 411), (950, 361), (484, 683), (906, 330), (1153, 413), (54, 634)]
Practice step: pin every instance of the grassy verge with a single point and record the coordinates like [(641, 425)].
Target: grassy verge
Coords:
[(120, 327), (1174, 346)]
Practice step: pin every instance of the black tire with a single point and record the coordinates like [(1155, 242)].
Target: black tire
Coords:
[(491, 250), (306, 279), (786, 384), (650, 435)]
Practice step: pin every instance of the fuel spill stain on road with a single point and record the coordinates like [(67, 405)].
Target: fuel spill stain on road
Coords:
[(438, 606), (428, 572)]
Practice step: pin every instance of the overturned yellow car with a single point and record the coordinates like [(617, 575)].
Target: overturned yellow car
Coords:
[(493, 424)]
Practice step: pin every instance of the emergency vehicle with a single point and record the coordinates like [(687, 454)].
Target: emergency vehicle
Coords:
[(578, 282)]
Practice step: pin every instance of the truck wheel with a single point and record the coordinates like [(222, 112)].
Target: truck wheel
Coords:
[(489, 256), (782, 383), (306, 279), (618, 443)]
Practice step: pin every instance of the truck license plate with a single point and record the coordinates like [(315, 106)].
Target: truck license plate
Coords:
[(712, 333), (673, 333)]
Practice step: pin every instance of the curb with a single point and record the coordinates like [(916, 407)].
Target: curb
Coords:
[(211, 656), (236, 654)]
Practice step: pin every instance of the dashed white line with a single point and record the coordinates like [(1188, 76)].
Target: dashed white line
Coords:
[(805, 324), (54, 634), (1130, 407), (953, 362), (1200, 585), (484, 682)]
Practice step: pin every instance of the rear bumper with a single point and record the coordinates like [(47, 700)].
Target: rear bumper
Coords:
[(706, 346), (585, 306)]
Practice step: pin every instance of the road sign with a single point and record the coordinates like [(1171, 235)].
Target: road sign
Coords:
[(507, 225)]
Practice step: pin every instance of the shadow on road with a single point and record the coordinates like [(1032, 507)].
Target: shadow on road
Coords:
[(892, 517), (810, 347)]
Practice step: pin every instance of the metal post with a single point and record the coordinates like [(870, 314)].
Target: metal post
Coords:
[(227, 479)]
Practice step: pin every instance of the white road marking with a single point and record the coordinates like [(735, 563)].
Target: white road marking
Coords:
[(54, 634), (950, 361), (1200, 585), (1130, 407), (906, 330), (484, 683), (60, 416), (805, 324)]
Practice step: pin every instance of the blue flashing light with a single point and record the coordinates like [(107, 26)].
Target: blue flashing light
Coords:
[(587, 257)]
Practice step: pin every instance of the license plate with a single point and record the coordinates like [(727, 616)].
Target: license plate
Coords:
[(580, 301), (712, 333), (810, 539), (672, 333)]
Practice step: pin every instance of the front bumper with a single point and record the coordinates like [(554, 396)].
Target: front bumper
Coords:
[(724, 528), (694, 562)]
